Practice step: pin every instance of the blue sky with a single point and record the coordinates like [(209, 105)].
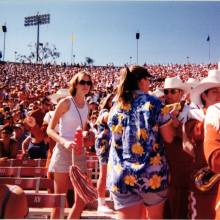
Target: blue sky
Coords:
[(105, 30)]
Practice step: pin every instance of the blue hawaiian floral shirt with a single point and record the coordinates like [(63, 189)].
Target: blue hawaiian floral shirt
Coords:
[(136, 160), (102, 144)]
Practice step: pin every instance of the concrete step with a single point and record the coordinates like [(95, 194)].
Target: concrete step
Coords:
[(95, 215), (44, 213), (94, 205), (89, 213)]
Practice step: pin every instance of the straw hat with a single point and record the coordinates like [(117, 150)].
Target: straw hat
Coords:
[(211, 81), (61, 93), (175, 83)]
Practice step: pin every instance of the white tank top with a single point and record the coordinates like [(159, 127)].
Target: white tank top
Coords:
[(70, 120)]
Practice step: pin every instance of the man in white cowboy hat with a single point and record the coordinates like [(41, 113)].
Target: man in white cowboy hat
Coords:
[(179, 161), (205, 94), (174, 91), (201, 93)]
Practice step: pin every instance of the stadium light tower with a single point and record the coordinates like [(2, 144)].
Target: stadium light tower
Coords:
[(137, 38), (4, 29), (37, 20)]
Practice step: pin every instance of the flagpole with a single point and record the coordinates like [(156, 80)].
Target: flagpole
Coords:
[(71, 49), (209, 41), (209, 51)]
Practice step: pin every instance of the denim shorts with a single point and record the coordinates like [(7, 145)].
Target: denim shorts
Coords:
[(132, 198)]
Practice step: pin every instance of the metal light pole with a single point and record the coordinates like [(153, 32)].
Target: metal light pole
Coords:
[(187, 59), (4, 29), (15, 55), (137, 38), (37, 20), (130, 59)]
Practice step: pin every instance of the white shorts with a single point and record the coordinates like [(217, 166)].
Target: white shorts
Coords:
[(61, 160)]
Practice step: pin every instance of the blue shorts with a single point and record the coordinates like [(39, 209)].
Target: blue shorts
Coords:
[(132, 198), (102, 150)]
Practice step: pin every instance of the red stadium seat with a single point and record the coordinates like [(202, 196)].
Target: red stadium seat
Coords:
[(93, 167), (23, 171), (27, 163), (36, 183), (46, 201)]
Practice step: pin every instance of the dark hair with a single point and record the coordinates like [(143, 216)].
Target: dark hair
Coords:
[(129, 81), (105, 100), (74, 81)]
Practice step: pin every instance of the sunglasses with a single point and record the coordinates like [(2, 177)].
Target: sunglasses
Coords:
[(172, 91), (84, 82)]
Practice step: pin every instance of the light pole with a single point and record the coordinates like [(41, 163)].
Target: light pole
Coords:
[(137, 38), (4, 29), (187, 59), (74, 58), (130, 59), (15, 55), (37, 20)]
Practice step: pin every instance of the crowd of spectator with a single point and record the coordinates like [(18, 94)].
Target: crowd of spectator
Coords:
[(26, 92), (23, 86)]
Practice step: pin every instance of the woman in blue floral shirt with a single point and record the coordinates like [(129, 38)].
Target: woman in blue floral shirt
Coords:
[(137, 167), (102, 150)]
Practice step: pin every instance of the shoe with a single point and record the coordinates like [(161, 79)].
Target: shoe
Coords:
[(104, 209)]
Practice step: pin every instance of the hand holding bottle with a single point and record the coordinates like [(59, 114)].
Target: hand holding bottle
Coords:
[(78, 138)]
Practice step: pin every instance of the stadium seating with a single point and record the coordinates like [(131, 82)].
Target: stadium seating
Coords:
[(23, 171), (24, 163)]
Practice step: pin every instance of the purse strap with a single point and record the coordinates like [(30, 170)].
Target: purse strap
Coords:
[(77, 109)]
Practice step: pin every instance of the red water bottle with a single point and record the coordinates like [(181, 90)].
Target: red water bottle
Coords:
[(78, 138)]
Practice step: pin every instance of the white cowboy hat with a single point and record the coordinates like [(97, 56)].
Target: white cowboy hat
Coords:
[(175, 83), (61, 93), (192, 82), (211, 81)]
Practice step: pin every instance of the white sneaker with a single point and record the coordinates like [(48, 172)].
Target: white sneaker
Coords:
[(104, 209)]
